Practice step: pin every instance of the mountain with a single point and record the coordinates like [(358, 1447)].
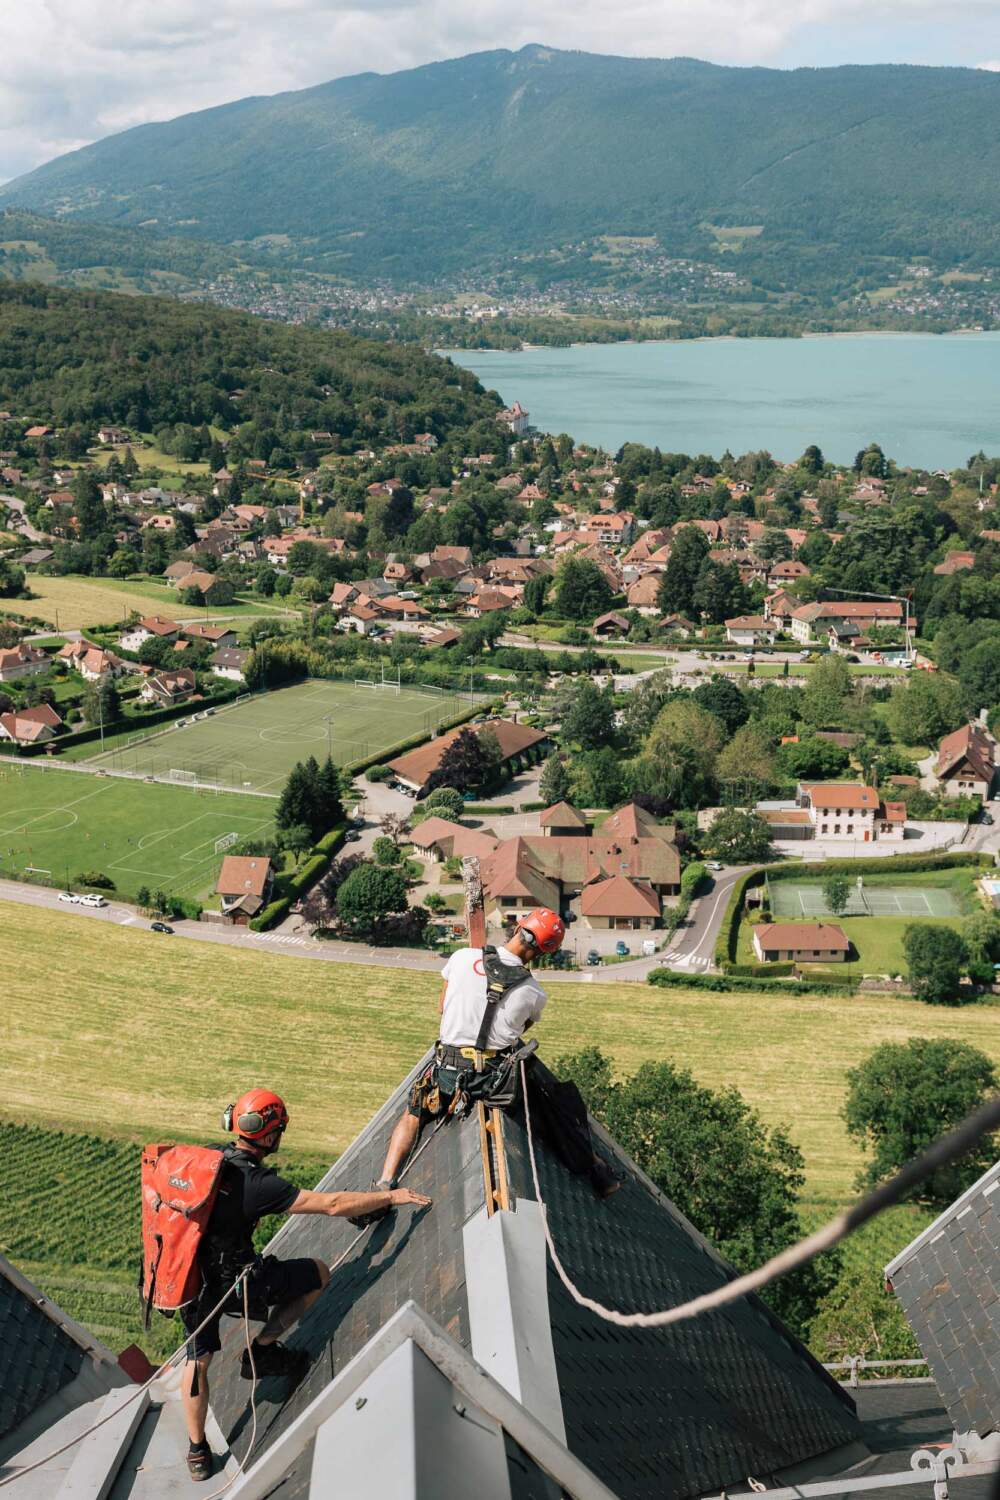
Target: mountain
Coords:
[(469, 163)]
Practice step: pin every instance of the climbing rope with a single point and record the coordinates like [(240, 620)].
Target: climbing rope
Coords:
[(947, 1149)]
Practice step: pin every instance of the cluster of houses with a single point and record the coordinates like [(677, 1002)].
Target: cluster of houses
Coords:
[(621, 876), (840, 625)]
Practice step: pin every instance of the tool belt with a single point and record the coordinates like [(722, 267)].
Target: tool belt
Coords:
[(495, 1083)]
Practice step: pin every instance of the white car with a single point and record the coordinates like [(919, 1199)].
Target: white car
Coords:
[(713, 864), (93, 900), (69, 898)]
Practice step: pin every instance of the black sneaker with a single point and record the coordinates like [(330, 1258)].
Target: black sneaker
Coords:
[(201, 1462), (362, 1221), (274, 1359)]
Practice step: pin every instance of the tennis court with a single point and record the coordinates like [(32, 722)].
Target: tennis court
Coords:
[(252, 745), (792, 899)]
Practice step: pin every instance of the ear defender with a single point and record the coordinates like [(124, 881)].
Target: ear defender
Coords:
[(227, 1117)]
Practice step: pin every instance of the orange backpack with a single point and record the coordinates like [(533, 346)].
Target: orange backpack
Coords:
[(179, 1188)]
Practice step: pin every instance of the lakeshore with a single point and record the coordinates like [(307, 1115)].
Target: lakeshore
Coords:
[(930, 399)]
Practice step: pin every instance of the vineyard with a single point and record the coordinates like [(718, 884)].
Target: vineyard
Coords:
[(69, 1218)]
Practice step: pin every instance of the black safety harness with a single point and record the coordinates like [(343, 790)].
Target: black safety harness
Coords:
[(492, 1077)]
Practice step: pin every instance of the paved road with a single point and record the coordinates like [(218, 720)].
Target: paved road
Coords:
[(26, 529)]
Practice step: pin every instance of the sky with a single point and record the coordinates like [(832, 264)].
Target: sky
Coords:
[(77, 70)]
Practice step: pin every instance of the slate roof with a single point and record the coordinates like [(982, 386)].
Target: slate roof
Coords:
[(948, 1281), (36, 1358), (666, 1413)]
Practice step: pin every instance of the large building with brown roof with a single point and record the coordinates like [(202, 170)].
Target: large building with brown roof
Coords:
[(519, 745)]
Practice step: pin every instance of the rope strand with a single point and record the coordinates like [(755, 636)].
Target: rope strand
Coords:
[(947, 1149)]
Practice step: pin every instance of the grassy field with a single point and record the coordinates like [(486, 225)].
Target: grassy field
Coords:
[(144, 1037), (255, 744), (162, 837), (70, 603), (338, 1037)]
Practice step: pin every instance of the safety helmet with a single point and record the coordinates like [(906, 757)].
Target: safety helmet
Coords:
[(545, 929), (255, 1114)]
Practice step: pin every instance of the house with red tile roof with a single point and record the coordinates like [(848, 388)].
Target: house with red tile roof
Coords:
[(22, 660), (967, 762), (801, 942), (244, 885), (519, 745), (30, 726)]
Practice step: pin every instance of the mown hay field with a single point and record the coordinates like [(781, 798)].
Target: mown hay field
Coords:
[(121, 1031), (70, 603)]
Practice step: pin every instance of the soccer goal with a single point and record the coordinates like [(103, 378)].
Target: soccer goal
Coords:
[(365, 683), (226, 842), (243, 698), (178, 775)]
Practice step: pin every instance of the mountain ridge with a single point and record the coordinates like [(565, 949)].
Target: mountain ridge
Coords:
[(463, 164)]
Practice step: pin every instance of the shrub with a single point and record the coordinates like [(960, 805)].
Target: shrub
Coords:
[(378, 773), (97, 879)]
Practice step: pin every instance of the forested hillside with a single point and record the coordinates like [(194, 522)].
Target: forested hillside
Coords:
[(460, 164), (67, 252), (146, 362)]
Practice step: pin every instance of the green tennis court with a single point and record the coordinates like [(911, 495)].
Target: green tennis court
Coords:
[(251, 745), (793, 899)]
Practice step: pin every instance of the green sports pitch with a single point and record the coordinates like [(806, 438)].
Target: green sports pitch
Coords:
[(792, 900), (251, 745), (56, 825)]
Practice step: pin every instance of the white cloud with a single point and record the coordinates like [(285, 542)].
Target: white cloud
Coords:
[(76, 70), (989, 67)]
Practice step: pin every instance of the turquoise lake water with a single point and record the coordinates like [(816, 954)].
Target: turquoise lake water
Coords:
[(931, 401)]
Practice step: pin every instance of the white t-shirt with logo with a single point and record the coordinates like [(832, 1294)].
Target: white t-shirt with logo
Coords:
[(465, 1001)]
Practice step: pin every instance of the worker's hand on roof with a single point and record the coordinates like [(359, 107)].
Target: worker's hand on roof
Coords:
[(400, 1196)]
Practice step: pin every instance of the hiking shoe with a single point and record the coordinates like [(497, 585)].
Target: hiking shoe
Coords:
[(274, 1359), (602, 1179), (362, 1221), (201, 1462)]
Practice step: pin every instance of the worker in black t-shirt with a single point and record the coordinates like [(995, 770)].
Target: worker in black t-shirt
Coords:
[(278, 1291)]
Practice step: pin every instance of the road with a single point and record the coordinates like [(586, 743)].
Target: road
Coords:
[(690, 951), (25, 528)]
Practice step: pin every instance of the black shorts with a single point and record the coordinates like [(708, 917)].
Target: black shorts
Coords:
[(275, 1283)]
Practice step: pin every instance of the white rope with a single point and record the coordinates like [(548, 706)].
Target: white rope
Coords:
[(113, 1416), (942, 1152), (253, 1400)]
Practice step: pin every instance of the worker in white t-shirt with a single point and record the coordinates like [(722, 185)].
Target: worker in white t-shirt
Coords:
[(484, 1013)]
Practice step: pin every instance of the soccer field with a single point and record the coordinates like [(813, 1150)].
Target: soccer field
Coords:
[(59, 825), (792, 899), (253, 745)]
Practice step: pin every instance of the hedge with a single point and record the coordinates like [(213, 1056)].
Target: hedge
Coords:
[(291, 886), (754, 971), (668, 979), (133, 724), (725, 943)]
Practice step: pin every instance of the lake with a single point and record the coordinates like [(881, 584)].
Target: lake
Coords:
[(930, 401)]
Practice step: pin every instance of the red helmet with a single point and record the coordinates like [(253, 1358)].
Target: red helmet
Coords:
[(255, 1114), (545, 928)]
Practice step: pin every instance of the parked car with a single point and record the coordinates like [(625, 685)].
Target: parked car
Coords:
[(621, 948), (649, 947), (93, 900), (593, 957), (987, 818), (160, 927), (713, 864), (69, 898), (352, 838)]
